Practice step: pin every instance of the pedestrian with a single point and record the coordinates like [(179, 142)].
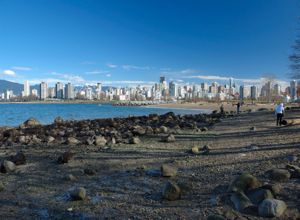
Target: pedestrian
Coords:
[(238, 105), (222, 109), (279, 112)]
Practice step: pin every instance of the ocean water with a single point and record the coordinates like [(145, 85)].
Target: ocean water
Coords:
[(15, 114)]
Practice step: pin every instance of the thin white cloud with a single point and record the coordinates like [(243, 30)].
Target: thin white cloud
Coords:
[(21, 68), (9, 73), (110, 65), (95, 72), (133, 67), (207, 77), (69, 77), (108, 75)]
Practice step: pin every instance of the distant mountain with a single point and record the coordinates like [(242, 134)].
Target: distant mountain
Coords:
[(17, 88)]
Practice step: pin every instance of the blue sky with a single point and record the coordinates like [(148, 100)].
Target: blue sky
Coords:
[(135, 41)]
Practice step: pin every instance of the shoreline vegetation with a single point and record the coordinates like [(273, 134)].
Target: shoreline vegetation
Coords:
[(203, 166)]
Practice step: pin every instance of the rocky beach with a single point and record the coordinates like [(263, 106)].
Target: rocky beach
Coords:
[(203, 166)]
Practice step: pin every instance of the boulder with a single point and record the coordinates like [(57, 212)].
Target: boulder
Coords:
[(258, 195), (244, 182), (168, 170), (65, 157), (134, 140), (149, 130), (163, 129), (274, 188), (78, 193), (31, 122), (171, 191), (206, 149), (279, 175), (50, 139), (100, 141), (240, 201), (203, 129), (195, 150), (90, 141), (18, 159), (7, 167), (271, 208), (294, 170), (22, 139), (168, 139), (58, 120), (138, 130), (72, 141)]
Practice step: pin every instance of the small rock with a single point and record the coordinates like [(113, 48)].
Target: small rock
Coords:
[(171, 191), (294, 170), (138, 130), (89, 171), (163, 129), (71, 177), (134, 140), (2, 187), (50, 139), (78, 193), (18, 159), (65, 157), (244, 182), (7, 167), (168, 170), (195, 150), (292, 158), (216, 217), (258, 195), (253, 129), (271, 208), (168, 139), (206, 149), (72, 141), (240, 201), (90, 141), (58, 120), (204, 129), (274, 188), (279, 175), (100, 141)]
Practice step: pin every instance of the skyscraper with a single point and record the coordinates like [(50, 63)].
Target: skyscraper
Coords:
[(293, 85), (43, 90), (173, 90), (242, 92), (26, 88), (253, 92), (69, 91), (59, 90)]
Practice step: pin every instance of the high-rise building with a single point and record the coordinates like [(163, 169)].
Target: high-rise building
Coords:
[(59, 90), (173, 90), (88, 93), (26, 88), (69, 91), (277, 89), (51, 92), (43, 90), (242, 92), (293, 85), (253, 92)]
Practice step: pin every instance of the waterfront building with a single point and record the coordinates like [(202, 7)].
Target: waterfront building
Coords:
[(173, 90), (242, 92), (43, 91), (253, 92), (34, 92), (277, 90), (59, 90), (51, 92), (69, 91), (26, 88), (293, 88)]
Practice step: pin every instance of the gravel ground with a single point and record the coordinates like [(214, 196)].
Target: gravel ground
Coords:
[(122, 189)]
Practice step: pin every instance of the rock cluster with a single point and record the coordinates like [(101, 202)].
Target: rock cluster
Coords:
[(101, 132), (249, 195)]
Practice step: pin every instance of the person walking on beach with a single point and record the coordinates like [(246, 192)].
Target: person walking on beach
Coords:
[(238, 105), (222, 109), (279, 111)]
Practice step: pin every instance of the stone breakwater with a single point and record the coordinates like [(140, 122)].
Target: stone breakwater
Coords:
[(103, 132)]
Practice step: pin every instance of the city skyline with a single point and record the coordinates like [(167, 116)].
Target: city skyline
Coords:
[(87, 42)]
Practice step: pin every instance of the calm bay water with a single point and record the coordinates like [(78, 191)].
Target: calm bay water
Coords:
[(15, 114)]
